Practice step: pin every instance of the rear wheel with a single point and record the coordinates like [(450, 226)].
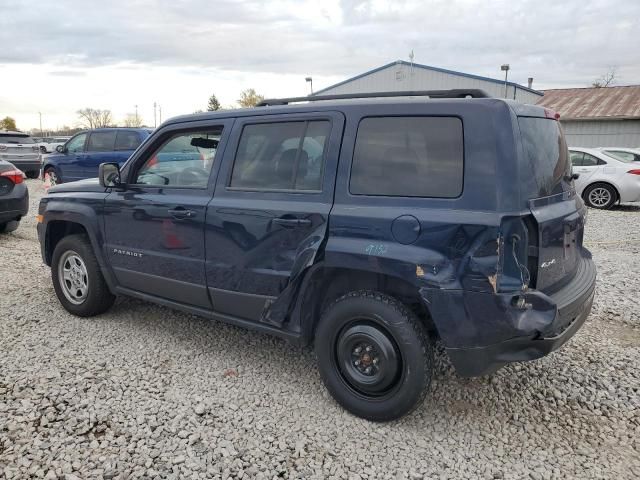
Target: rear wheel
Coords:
[(77, 278), (374, 356), (600, 195)]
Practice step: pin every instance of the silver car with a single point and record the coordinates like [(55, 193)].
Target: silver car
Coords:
[(21, 150), (604, 180)]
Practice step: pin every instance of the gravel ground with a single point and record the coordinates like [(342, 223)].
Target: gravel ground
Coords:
[(144, 391)]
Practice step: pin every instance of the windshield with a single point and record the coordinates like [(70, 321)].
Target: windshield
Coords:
[(15, 139), (546, 167)]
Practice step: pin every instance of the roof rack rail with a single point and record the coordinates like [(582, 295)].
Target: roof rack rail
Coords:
[(454, 93)]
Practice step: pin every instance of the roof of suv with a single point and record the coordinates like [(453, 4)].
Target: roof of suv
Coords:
[(321, 104)]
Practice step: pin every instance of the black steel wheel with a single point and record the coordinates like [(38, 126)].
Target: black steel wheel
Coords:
[(374, 355)]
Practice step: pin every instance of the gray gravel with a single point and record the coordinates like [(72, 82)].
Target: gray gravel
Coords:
[(144, 391)]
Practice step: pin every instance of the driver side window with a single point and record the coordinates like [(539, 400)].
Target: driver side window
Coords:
[(76, 144), (184, 160)]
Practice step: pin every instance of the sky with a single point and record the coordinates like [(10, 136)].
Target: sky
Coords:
[(58, 57)]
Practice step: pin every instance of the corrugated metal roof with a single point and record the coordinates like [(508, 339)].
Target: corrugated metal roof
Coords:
[(594, 103), (428, 67)]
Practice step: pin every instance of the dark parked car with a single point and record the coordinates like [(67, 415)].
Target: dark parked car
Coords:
[(82, 154), (370, 228), (14, 197), (21, 150)]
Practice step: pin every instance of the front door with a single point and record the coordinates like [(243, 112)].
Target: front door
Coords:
[(155, 227), (270, 209), (68, 164)]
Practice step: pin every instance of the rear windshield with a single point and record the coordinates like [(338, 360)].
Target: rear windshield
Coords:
[(4, 138), (546, 166)]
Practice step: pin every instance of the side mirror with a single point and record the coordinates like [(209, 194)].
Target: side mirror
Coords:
[(60, 149), (109, 175)]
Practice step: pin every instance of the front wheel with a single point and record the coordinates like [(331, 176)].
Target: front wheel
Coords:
[(374, 356), (54, 179), (77, 278)]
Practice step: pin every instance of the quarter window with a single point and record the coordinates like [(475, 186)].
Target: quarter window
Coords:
[(184, 160), (102, 141), (281, 156), (408, 157)]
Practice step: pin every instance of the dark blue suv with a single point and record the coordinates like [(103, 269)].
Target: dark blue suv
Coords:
[(370, 227), (82, 154)]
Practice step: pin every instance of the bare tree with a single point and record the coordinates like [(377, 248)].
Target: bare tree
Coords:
[(132, 120), (605, 80), (249, 98), (95, 118)]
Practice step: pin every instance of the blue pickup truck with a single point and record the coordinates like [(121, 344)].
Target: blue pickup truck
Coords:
[(82, 154), (369, 228)]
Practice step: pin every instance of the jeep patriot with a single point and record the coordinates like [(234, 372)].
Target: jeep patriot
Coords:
[(369, 227)]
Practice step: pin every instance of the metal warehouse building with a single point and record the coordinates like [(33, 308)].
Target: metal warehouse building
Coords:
[(598, 117), (404, 76)]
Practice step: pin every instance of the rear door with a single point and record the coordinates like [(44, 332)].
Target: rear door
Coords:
[(100, 149), (545, 178), (270, 210)]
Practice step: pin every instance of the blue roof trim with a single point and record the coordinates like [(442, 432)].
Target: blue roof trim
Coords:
[(435, 69)]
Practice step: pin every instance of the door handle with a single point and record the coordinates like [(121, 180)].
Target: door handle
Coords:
[(292, 222), (180, 213)]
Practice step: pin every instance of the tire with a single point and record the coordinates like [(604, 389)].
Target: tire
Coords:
[(32, 174), (9, 226), (601, 196), (76, 253), (400, 356), (53, 175)]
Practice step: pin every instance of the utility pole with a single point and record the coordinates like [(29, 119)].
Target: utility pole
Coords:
[(136, 115), (160, 113), (309, 80), (40, 114), (155, 124), (505, 69)]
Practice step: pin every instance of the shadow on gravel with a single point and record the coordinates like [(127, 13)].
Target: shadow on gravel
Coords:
[(627, 207)]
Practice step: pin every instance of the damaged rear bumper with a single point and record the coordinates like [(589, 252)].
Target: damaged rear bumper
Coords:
[(483, 332)]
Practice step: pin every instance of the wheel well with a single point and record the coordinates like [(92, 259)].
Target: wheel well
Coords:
[(584, 192), (56, 231), (328, 284)]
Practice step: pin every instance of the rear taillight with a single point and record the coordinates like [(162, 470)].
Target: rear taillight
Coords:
[(635, 171), (16, 176)]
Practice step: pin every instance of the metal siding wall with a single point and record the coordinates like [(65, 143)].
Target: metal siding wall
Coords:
[(401, 78), (610, 133)]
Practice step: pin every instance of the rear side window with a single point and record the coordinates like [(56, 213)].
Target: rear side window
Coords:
[(281, 156), (547, 168), (408, 157), (127, 140), (101, 141)]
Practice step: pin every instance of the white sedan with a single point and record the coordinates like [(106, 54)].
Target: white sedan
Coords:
[(623, 153), (604, 180)]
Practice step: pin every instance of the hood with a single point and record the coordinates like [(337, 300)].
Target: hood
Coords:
[(88, 185)]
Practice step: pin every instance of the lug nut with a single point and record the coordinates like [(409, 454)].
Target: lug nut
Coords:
[(358, 349), (368, 349)]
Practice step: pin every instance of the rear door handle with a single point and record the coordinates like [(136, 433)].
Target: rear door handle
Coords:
[(180, 213), (292, 222)]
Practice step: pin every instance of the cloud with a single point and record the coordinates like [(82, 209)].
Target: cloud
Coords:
[(552, 41)]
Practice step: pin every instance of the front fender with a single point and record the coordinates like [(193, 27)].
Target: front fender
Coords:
[(84, 209)]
